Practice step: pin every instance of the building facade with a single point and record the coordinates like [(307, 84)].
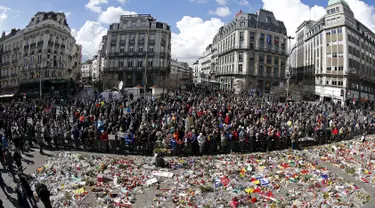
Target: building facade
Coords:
[(90, 70), (250, 52), (43, 54), (196, 73), (181, 73), (339, 50), (86, 71), (136, 44)]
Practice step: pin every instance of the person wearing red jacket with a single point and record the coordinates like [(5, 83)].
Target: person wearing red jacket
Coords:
[(227, 119), (335, 131), (104, 140)]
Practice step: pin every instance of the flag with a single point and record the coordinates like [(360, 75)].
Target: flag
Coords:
[(269, 38)]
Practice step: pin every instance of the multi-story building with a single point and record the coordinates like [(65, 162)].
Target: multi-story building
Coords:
[(181, 73), (196, 73), (136, 44), (86, 71), (205, 66), (90, 70), (339, 50), (44, 55), (251, 52)]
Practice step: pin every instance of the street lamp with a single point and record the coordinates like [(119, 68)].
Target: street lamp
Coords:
[(289, 66)]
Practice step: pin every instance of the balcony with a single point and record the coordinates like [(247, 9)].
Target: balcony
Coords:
[(4, 77), (111, 54), (251, 48), (162, 54), (113, 42), (141, 53), (141, 41), (132, 41), (150, 53), (14, 61), (122, 41), (14, 75)]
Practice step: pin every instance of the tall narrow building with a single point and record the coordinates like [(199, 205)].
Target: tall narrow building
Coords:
[(136, 47)]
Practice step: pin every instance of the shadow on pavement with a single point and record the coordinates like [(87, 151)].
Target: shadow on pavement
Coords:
[(7, 190), (28, 161), (28, 155)]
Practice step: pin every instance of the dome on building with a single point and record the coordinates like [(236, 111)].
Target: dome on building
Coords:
[(332, 2)]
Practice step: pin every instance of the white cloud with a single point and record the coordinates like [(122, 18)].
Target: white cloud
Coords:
[(293, 12), (243, 2), (122, 1), (188, 45), (3, 13), (90, 36), (363, 12), (94, 5), (112, 14), (220, 11), (299, 12), (221, 2)]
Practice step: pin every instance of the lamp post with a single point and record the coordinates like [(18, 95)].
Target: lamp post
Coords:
[(146, 57), (289, 66)]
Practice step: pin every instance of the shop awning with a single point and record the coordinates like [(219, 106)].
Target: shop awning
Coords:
[(6, 96)]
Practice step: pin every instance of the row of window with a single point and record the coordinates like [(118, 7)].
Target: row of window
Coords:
[(133, 63), (334, 55), (335, 83), (334, 31), (333, 10), (335, 68)]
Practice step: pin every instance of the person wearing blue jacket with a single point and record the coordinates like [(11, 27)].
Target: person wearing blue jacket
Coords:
[(129, 141)]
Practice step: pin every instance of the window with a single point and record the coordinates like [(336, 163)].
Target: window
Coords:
[(152, 36), (328, 68), (239, 67), (261, 59), (333, 32), (151, 49), (149, 64), (142, 36), (122, 50), (269, 59), (328, 33), (130, 63), (240, 57), (140, 63), (131, 49), (334, 55), (340, 83), (341, 68), (337, 9), (132, 37), (140, 49), (241, 35), (269, 39), (242, 24), (121, 64), (334, 82), (261, 70), (327, 82), (339, 30)]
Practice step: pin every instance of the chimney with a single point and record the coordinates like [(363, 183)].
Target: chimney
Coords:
[(14, 31)]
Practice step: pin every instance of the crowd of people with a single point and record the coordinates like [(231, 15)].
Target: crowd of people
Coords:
[(191, 123), (179, 123)]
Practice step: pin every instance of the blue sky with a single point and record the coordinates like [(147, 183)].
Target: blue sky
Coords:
[(203, 16)]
